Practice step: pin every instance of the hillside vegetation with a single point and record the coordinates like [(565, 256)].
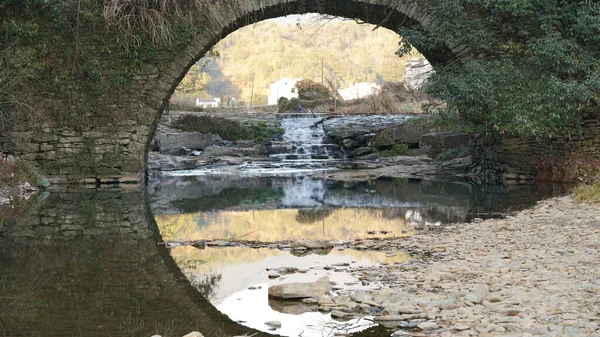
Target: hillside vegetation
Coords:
[(267, 51)]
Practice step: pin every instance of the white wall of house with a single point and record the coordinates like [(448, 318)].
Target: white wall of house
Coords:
[(359, 90), (417, 73), (285, 87), (208, 103)]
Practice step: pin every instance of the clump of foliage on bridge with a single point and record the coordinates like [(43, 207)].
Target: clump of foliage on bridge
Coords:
[(536, 65), (227, 129)]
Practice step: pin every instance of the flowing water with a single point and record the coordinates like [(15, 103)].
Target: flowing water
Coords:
[(88, 262)]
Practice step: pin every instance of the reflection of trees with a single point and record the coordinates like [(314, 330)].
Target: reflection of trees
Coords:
[(228, 197), (207, 284), (309, 216)]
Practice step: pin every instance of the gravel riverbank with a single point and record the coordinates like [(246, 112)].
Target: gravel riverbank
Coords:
[(536, 273)]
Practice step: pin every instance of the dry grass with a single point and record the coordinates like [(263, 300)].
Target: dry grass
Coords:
[(588, 192), (570, 168), (157, 18), (16, 173), (393, 97)]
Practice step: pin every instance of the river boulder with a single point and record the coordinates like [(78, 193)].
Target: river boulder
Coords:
[(407, 133), (159, 162), (311, 244), (170, 142), (435, 143), (301, 290)]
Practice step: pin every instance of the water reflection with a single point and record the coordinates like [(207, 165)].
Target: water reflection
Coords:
[(288, 208), (269, 209), (239, 268), (87, 263), (283, 224), (236, 281)]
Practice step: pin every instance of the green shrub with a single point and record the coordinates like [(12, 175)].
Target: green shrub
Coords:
[(400, 149), (227, 129), (458, 152)]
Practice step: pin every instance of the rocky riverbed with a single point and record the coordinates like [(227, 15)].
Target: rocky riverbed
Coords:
[(533, 273), (358, 145), (536, 273)]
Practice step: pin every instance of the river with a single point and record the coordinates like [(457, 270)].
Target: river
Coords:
[(92, 261)]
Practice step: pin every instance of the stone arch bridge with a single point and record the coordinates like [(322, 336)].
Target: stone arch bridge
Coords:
[(97, 127)]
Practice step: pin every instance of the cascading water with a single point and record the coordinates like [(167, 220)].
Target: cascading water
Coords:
[(307, 140), (305, 150)]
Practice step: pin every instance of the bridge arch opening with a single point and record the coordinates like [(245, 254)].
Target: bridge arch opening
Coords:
[(391, 16), (383, 16)]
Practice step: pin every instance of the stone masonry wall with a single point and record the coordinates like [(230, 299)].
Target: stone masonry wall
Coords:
[(515, 158)]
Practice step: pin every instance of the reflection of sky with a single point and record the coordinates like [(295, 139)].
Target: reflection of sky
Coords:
[(241, 268), (251, 307), (304, 193)]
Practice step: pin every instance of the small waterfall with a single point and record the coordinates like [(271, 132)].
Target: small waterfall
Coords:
[(307, 140)]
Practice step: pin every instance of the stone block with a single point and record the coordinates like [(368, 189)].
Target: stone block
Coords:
[(437, 142), (408, 133)]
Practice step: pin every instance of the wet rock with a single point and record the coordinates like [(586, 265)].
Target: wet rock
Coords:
[(223, 151), (325, 300), (311, 244), (360, 165), (361, 296), (361, 151), (343, 300), (427, 326), (159, 162), (338, 314), (437, 142), (169, 142), (273, 275), (350, 143), (301, 290), (389, 318), (409, 160), (369, 157), (274, 147), (274, 325), (286, 270), (194, 334), (219, 243), (407, 133), (291, 307), (472, 298), (381, 295), (200, 244)]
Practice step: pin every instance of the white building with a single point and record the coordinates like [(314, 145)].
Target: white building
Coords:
[(208, 103), (285, 87), (359, 90), (417, 73)]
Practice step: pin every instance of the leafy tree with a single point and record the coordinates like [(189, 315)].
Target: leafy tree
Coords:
[(255, 56), (536, 65), (194, 82)]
